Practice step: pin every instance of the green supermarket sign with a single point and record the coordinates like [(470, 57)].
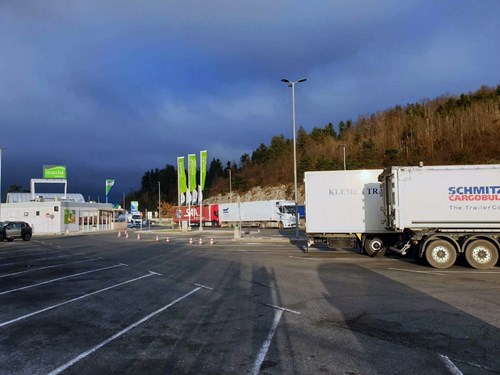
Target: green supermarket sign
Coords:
[(54, 172)]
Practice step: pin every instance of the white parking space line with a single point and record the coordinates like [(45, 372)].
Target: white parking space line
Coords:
[(283, 308), (444, 272), (61, 278), (13, 255), (473, 271), (454, 370), (267, 342), (73, 300), (313, 259), (439, 273), (250, 251), (44, 268), (38, 259), (204, 286), (122, 332)]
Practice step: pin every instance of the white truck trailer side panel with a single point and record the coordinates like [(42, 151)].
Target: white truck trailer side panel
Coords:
[(344, 202), (252, 211), (229, 212), (446, 197)]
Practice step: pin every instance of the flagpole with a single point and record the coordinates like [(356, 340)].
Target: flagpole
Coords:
[(189, 192), (199, 196), (178, 185), (179, 190)]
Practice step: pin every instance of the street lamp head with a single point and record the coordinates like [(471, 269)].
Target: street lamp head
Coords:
[(292, 83)]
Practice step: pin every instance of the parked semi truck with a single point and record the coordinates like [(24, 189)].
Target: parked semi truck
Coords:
[(443, 211), (344, 208), (209, 215), (434, 212), (264, 214)]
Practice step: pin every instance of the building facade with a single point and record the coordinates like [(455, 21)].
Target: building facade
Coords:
[(58, 213)]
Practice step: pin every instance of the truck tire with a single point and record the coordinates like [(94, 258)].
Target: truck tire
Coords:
[(481, 254), (373, 245), (440, 254), (280, 225)]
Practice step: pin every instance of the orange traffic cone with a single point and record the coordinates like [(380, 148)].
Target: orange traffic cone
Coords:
[(168, 239), (119, 234), (191, 241), (211, 241), (157, 239), (138, 236), (200, 242), (126, 234)]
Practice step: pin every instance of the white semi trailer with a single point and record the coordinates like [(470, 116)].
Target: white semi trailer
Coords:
[(264, 214), (433, 212), (443, 211), (344, 207)]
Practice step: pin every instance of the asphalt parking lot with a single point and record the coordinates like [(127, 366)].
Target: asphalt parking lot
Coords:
[(168, 304)]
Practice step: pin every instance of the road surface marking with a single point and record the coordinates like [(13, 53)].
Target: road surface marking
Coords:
[(122, 332), (282, 308), (414, 271), (472, 271), (36, 260), (303, 258), (61, 278), (44, 268), (204, 286), (73, 300), (450, 365), (267, 342), (34, 251)]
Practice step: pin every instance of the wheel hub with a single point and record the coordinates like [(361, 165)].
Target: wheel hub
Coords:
[(481, 254), (440, 254)]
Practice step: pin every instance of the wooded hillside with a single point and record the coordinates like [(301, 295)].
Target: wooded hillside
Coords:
[(445, 130)]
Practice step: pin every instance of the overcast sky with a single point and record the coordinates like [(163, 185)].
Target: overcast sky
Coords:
[(112, 89)]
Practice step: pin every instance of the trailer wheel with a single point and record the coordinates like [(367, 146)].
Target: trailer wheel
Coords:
[(373, 245), (440, 254), (481, 254), (280, 225)]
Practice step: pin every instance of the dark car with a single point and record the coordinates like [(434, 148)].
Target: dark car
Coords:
[(15, 229)]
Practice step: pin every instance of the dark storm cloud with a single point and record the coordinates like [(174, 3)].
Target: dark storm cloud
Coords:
[(115, 88)]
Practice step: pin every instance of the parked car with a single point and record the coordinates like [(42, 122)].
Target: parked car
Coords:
[(136, 220), (15, 229)]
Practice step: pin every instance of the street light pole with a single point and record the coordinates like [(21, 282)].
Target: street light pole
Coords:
[(159, 202), (292, 85), (230, 188), (1, 183), (343, 147)]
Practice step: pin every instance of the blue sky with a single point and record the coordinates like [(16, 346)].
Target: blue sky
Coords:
[(112, 89)]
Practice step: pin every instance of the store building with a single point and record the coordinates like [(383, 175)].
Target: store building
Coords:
[(52, 213)]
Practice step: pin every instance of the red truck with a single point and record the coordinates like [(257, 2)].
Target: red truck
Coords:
[(210, 215)]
